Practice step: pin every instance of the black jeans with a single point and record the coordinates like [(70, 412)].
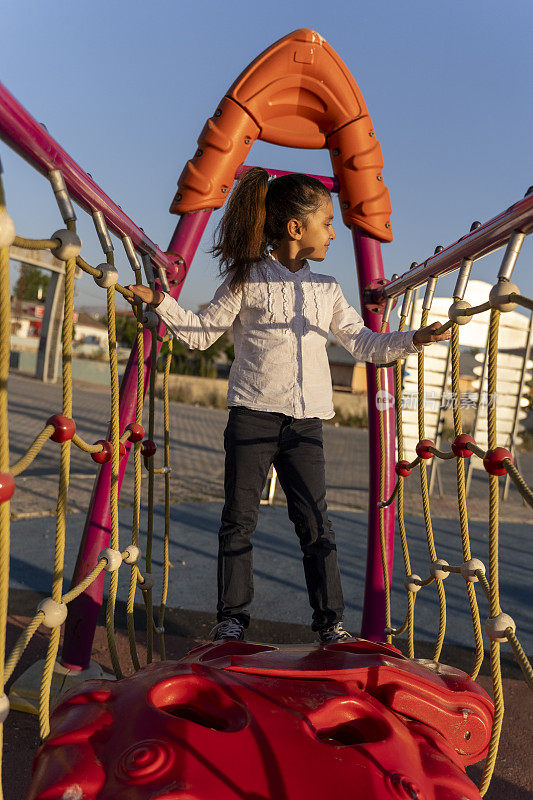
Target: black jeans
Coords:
[(254, 440)]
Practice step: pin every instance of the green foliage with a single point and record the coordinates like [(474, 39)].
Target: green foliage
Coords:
[(126, 328), (31, 279), (197, 362)]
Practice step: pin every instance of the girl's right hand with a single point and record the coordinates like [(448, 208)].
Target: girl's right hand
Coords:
[(145, 294)]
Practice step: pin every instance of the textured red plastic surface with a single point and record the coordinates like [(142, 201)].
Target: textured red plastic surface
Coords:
[(237, 720)]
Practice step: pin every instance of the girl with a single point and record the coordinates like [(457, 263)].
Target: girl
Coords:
[(280, 383)]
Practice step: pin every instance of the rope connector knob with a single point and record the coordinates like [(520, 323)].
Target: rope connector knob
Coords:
[(147, 582), (105, 454), (496, 627), (460, 445), (499, 296), (4, 707), (456, 312), (7, 486), (65, 428), (403, 468), (422, 448), (469, 569), (7, 229), (54, 613), (436, 571), (70, 244), (136, 432), (150, 320), (108, 276), (493, 460), (149, 448), (413, 583), (133, 554), (113, 558)]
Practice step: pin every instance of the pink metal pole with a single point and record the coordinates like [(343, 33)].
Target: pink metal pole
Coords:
[(27, 137), (370, 267), (331, 184), (84, 610)]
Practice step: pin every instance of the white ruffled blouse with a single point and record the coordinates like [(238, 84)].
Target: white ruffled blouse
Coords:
[(281, 321)]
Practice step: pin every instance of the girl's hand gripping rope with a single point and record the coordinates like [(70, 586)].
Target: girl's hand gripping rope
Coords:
[(144, 294), (430, 334)]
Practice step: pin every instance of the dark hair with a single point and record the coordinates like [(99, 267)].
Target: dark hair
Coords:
[(256, 216)]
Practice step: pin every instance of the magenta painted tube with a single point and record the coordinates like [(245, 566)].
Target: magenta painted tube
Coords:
[(84, 609), (33, 142), (331, 184), (370, 267)]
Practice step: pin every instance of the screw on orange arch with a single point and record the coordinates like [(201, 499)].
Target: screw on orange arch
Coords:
[(297, 93)]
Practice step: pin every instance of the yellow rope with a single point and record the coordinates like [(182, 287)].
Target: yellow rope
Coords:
[(30, 629), (115, 433), (36, 244), (147, 595), (62, 499), (521, 657), (136, 488), (166, 561), (495, 668), (461, 497), (5, 333), (33, 450), (21, 644), (411, 596), (85, 446), (96, 273), (85, 583), (425, 501), (381, 510), (521, 300), (518, 481)]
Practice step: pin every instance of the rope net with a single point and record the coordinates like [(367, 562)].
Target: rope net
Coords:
[(111, 448), (61, 428), (497, 460)]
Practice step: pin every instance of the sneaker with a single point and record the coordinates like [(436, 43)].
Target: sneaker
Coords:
[(229, 628), (335, 633)]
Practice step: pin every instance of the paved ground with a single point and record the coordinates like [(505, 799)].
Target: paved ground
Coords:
[(197, 458), (280, 593)]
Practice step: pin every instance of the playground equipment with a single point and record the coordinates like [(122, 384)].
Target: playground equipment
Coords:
[(424, 716)]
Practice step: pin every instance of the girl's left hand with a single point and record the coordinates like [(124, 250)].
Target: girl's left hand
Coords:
[(427, 335)]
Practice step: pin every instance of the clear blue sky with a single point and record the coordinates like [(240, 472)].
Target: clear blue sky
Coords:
[(126, 87)]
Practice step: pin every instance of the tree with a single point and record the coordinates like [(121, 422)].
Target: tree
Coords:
[(32, 282)]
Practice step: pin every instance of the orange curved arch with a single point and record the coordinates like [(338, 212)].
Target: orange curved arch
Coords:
[(297, 93)]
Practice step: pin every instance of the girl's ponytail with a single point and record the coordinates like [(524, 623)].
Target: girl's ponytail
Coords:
[(239, 237)]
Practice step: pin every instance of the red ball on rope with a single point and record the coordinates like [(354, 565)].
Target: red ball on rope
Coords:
[(402, 468), (105, 455), (7, 486), (149, 448), (65, 428), (493, 460), (121, 450), (460, 445), (422, 450), (137, 432)]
